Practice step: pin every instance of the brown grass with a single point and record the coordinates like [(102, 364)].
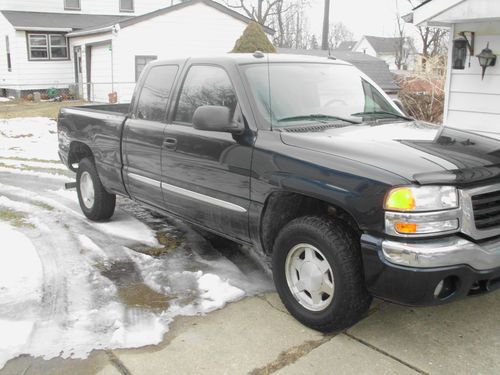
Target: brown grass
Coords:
[(15, 218), (24, 108)]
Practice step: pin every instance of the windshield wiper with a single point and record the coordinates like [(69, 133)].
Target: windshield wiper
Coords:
[(315, 117), (360, 114)]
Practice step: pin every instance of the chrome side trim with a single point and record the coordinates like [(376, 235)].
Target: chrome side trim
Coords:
[(202, 197), (443, 252), (145, 180)]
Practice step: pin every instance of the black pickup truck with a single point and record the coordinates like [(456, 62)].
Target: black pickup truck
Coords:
[(310, 163)]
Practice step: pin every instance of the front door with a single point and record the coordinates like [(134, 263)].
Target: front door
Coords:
[(143, 136), (206, 174)]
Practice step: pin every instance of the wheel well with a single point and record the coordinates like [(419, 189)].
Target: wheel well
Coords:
[(283, 207), (78, 151)]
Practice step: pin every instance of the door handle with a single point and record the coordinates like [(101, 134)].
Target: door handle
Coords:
[(170, 142)]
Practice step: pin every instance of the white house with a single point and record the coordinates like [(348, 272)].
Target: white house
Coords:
[(387, 50), (99, 47), (472, 102)]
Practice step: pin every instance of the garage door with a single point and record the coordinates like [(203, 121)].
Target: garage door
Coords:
[(100, 73)]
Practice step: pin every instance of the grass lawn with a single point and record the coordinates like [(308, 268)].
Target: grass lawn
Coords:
[(23, 108)]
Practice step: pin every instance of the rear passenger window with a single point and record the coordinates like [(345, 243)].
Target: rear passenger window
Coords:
[(204, 85), (152, 102)]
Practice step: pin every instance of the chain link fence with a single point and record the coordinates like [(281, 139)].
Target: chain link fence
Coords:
[(98, 92)]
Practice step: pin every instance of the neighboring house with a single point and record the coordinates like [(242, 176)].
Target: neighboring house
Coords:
[(373, 67), (102, 46), (434, 66), (387, 50), (470, 101), (346, 46)]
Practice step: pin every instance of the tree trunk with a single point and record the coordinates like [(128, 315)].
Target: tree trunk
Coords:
[(326, 25)]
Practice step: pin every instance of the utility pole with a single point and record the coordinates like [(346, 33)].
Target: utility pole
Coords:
[(326, 26)]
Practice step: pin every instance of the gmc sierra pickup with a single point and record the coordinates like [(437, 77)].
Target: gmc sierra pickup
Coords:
[(310, 163)]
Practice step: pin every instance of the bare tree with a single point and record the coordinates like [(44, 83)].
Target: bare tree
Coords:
[(339, 33), (326, 25), (434, 39), (401, 53), (258, 10), (290, 23)]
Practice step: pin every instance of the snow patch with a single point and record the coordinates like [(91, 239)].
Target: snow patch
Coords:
[(30, 137), (216, 292), (128, 227), (21, 278)]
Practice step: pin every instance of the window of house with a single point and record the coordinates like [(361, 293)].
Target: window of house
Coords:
[(7, 49), (72, 4), (47, 47), (126, 5), (204, 85), (140, 64), (153, 99)]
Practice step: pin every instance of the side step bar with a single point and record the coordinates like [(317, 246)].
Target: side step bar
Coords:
[(70, 185)]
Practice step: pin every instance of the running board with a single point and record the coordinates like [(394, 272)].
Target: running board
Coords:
[(70, 185)]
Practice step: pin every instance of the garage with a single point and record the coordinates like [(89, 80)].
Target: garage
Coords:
[(100, 72)]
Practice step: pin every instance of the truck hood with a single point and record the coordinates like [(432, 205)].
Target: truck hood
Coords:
[(418, 151)]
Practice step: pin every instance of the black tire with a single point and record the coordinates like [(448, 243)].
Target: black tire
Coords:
[(104, 203), (340, 247)]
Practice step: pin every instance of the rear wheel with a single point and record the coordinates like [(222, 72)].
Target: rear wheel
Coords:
[(96, 203), (318, 273)]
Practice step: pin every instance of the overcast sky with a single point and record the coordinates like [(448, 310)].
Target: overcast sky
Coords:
[(362, 17)]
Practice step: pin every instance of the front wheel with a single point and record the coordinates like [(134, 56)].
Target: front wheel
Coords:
[(96, 203), (318, 273)]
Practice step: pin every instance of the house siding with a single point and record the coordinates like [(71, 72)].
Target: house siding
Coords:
[(168, 36), (87, 6), (7, 79), (38, 74), (473, 103), (364, 47)]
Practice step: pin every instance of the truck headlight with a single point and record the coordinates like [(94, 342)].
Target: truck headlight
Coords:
[(421, 198), (422, 210)]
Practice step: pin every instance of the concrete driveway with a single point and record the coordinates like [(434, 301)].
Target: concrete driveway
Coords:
[(257, 336)]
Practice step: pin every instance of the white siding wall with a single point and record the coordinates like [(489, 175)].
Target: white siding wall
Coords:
[(169, 36), (365, 47), (473, 103), (37, 74), (6, 77), (87, 6)]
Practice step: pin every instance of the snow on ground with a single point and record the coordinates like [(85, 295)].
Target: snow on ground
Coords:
[(31, 137), (21, 278), (69, 286)]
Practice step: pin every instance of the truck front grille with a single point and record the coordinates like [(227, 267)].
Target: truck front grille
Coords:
[(486, 208)]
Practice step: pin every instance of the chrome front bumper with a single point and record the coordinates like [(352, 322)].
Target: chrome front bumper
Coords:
[(449, 251)]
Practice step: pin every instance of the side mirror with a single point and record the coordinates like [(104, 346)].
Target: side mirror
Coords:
[(215, 118), (400, 105)]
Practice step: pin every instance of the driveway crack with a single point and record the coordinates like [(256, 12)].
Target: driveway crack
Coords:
[(117, 363), (404, 363)]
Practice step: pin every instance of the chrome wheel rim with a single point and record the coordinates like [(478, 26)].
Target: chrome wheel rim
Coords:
[(309, 277), (87, 190)]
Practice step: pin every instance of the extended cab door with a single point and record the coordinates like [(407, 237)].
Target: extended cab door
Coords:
[(143, 135), (206, 174)]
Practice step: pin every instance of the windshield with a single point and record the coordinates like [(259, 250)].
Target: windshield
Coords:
[(297, 93)]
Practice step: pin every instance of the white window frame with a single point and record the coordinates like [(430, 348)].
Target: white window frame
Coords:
[(73, 8), (47, 47), (127, 10), (56, 46)]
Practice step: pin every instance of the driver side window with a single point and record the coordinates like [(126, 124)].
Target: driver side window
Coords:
[(204, 85)]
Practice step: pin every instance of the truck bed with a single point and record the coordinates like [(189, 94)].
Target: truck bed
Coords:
[(98, 128)]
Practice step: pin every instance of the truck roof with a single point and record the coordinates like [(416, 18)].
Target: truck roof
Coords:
[(257, 57)]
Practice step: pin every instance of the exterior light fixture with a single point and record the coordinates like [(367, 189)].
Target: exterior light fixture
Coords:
[(486, 58), (460, 47)]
